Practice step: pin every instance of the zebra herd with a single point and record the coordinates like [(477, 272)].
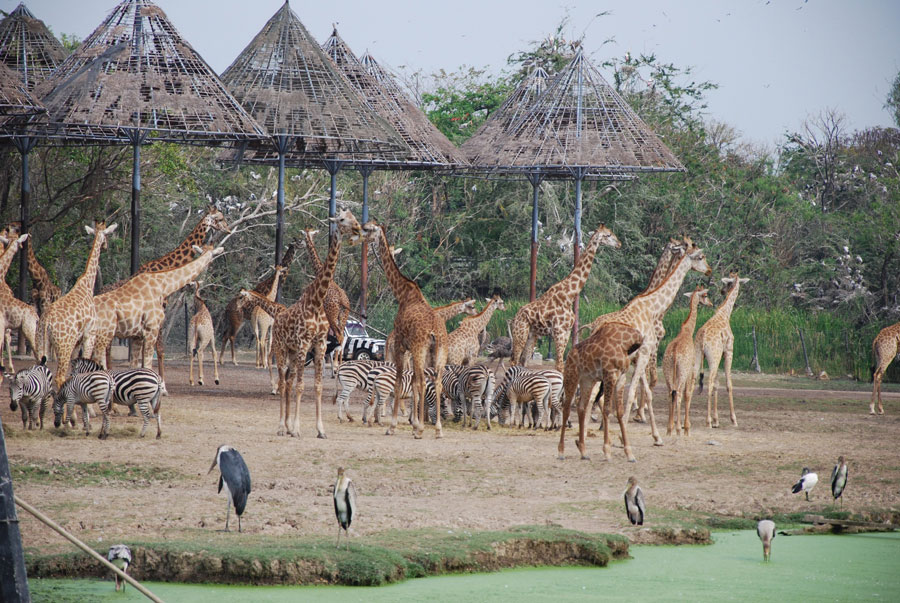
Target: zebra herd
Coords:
[(88, 384), (469, 393)]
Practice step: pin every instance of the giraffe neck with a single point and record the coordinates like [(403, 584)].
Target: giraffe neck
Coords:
[(655, 303), (7, 257), (86, 281), (691, 321), (168, 282), (313, 253), (199, 303), (447, 312), (273, 308), (273, 289), (571, 286), (724, 311), (663, 267), (480, 320), (405, 290), (264, 285), (182, 254), (314, 294)]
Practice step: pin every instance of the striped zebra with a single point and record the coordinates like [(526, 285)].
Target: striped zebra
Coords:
[(382, 390), (84, 389), (142, 388), (522, 387), (352, 375), (475, 391), (553, 412), (31, 388)]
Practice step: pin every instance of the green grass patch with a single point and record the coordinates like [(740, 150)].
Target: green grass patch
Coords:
[(96, 473)]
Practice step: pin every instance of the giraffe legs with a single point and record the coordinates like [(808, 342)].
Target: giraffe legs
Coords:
[(617, 397), (639, 377), (285, 377), (883, 360), (570, 385), (560, 340), (712, 392), (729, 352), (398, 362), (584, 401), (319, 364), (194, 352)]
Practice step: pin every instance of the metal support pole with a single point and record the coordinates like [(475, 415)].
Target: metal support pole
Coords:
[(535, 179), (281, 143), (366, 171), (24, 146), (136, 137), (13, 581), (579, 177), (333, 166)]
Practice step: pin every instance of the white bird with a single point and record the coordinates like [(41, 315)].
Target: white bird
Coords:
[(235, 476), (634, 502), (765, 529), (344, 502), (807, 482), (120, 556), (839, 480)]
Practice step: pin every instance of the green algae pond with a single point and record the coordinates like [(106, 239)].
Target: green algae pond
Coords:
[(838, 568)]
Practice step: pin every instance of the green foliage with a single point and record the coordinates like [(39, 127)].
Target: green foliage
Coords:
[(462, 100), (892, 103)]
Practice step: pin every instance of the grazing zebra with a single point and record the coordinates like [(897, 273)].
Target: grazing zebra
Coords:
[(84, 389), (525, 386), (352, 375), (382, 388), (31, 388), (143, 388), (475, 390), (555, 378)]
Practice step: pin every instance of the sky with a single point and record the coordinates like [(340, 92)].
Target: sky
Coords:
[(776, 62)]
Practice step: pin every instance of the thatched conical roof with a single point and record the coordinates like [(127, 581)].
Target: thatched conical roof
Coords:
[(579, 122), (135, 71), (285, 80), (28, 47), (14, 98)]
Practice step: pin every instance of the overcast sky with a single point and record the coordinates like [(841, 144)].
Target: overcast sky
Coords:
[(776, 62)]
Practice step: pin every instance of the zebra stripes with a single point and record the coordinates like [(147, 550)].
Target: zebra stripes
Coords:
[(84, 389), (522, 387), (475, 393), (143, 388), (31, 388), (352, 375), (553, 412)]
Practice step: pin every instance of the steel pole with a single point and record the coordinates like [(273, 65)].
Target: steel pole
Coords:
[(364, 266), (332, 166), (136, 137), (535, 178), (579, 176), (24, 145)]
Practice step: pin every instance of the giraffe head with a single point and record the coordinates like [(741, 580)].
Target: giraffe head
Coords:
[(703, 294), (215, 219), (497, 301), (13, 242), (101, 231), (348, 226), (395, 251), (469, 308), (732, 281), (697, 258), (605, 237)]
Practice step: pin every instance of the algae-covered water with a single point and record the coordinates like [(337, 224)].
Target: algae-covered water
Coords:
[(837, 568)]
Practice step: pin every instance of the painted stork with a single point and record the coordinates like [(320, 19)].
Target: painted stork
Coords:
[(765, 529), (634, 502), (344, 502), (808, 481), (839, 480), (235, 476), (120, 556)]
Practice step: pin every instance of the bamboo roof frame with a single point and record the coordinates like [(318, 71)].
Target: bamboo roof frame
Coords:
[(15, 101), (28, 47), (135, 73), (295, 91)]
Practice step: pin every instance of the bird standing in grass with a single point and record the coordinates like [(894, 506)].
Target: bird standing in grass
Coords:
[(839, 480), (344, 503), (235, 476), (765, 529), (634, 502), (120, 556), (808, 481)]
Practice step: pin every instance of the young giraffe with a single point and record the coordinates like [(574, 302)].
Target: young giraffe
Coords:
[(884, 349), (237, 310), (14, 313), (303, 326), (678, 365), (337, 304), (714, 338), (137, 308), (202, 334), (71, 318), (262, 322), (45, 292), (604, 356), (418, 331), (552, 313), (462, 343)]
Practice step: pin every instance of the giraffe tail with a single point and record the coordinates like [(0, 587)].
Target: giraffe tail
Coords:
[(701, 382), (872, 373)]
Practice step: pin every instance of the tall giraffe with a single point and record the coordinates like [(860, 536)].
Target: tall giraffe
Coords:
[(418, 331), (237, 310), (445, 313), (14, 313), (678, 365), (337, 304), (71, 318), (45, 290), (552, 313), (303, 326), (137, 308), (202, 334), (713, 339), (884, 349), (462, 343), (262, 322)]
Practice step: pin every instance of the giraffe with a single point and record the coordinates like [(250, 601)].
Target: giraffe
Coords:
[(445, 313), (202, 334), (604, 356), (678, 365), (552, 313), (14, 313), (713, 339), (262, 322), (462, 343), (337, 304), (45, 292), (884, 348), (237, 311), (303, 326), (418, 331), (71, 318), (137, 308)]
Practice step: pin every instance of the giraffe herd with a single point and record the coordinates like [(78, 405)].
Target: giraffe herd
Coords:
[(79, 321)]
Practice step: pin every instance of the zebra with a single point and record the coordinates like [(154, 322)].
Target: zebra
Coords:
[(382, 388), (475, 384), (143, 388), (83, 389), (522, 386), (31, 388), (352, 375), (553, 412), (86, 365)]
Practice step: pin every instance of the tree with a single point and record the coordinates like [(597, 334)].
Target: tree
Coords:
[(893, 100)]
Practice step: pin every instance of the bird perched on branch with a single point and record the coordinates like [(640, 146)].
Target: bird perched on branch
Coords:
[(839, 480), (634, 502), (765, 529), (808, 481), (120, 556), (234, 475), (344, 503)]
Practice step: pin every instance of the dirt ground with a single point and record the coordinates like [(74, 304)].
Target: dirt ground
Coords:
[(146, 489)]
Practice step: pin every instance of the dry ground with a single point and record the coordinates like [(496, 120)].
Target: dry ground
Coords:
[(145, 489)]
